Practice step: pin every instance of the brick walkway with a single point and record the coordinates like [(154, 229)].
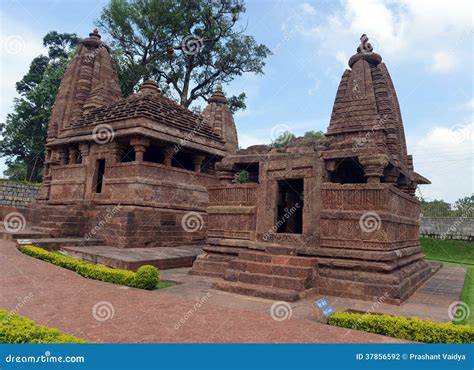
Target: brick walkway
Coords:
[(60, 298)]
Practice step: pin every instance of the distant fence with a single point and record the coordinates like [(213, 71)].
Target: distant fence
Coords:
[(17, 194), (459, 228)]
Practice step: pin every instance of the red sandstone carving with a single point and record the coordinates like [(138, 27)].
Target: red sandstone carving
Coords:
[(335, 216)]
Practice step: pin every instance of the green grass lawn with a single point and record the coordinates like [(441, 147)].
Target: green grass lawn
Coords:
[(455, 251), (459, 253)]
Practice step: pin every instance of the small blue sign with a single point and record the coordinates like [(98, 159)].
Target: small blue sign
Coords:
[(324, 306)]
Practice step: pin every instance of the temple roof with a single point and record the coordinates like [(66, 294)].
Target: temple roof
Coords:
[(149, 103)]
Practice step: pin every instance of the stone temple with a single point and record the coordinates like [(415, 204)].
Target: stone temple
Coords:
[(145, 175)]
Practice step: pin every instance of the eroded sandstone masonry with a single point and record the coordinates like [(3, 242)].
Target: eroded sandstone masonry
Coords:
[(335, 216)]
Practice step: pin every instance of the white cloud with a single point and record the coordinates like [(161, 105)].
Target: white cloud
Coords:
[(470, 104), (445, 156), (436, 32), (308, 9), (444, 61), (19, 46)]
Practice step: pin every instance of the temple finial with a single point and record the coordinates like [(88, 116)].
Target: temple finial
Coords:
[(365, 46)]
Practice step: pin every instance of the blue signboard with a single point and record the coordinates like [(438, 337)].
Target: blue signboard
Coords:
[(324, 306)]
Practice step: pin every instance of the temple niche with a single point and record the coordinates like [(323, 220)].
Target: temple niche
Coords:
[(334, 216)]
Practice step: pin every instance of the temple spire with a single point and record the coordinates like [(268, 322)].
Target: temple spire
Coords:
[(219, 117), (90, 81)]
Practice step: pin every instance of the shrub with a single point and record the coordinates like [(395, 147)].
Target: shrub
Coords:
[(147, 277), (401, 327), (92, 271), (18, 329)]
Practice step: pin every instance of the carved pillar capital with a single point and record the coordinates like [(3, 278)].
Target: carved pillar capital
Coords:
[(197, 162), (139, 146), (225, 172), (374, 166)]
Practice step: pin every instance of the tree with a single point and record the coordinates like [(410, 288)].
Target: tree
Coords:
[(188, 46), (283, 139), (314, 134), (24, 131), (465, 206), (435, 208)]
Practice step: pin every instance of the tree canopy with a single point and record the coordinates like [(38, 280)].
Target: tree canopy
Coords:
[(188, 47), (24, 130)]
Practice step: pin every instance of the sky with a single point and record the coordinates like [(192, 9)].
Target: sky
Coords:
[(426, 45)]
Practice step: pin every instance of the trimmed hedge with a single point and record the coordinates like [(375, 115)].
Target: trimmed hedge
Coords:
[(147, 277), (19, 329), (413, 329)]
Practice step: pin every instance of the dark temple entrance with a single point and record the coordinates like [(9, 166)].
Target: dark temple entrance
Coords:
[(290, 206)]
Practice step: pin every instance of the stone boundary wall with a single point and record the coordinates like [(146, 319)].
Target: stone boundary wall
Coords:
[(459, 228), (16, 194)]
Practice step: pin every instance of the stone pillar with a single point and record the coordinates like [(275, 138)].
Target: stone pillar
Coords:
[(84, 149), (374, 166), (115, 151), (225, 172), (169, 153), (391, 175), (73, 154), (139, 146), (63, 156), (197, 162)]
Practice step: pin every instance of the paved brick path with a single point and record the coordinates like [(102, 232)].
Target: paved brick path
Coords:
[(54, 296)]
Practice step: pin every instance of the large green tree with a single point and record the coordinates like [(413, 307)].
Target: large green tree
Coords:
[(23, 134), (189, 46)]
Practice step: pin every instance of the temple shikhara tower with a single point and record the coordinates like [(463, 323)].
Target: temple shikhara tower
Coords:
[(142, 180)]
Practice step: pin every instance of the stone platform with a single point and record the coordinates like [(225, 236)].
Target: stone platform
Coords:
[(133, 258), (430, 301)]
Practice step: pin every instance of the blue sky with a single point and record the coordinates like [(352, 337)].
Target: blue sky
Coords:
[(426, 45)]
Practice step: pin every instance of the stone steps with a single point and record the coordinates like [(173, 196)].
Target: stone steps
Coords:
[(213, 265), (282, 282), (27, 233), (269, 274), (252, 290)]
